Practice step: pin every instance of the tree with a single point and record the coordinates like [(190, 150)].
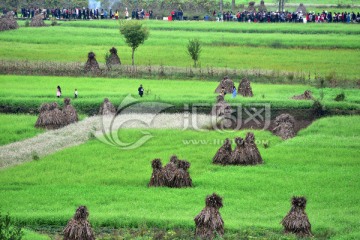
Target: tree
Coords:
[(194, 50), (221, 6), (233, 5), (134, 34)]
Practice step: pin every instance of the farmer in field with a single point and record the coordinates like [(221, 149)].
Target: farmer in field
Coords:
[(58, 91), (141, 90), (234, 92)]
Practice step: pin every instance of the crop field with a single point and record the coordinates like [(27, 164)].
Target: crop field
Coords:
[(113, 183), (27, 93), (312, 49), (45, 175), (24, 127)]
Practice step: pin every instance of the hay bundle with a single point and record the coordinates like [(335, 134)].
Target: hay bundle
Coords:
[(69, 111), (223, 155), (225, 83), (208, 222), (245, 88), (50, 117), (175, 174), (251, 7), (238, 156), (284, 126), (157, 178), (113, 59), (8, 22), (79, 227), (297, 221), (92, 65), (262, 7), (37, 21), (301, 9), (252, 154), (181, 176), (307, 95), (107, 108), (221, 108)]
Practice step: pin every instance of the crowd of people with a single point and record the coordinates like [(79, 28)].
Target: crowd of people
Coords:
[(244, 16), (262, 16), (79, 13)]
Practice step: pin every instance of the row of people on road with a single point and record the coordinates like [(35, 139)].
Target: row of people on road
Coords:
[(324, 16)]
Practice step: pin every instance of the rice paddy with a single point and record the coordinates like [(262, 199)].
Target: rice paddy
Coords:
[(46, 175)]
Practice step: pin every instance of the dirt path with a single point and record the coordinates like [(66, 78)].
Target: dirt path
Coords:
[(78, 133)]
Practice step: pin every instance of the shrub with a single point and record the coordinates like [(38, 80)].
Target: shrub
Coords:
[(340, 97), (8, 230), (27, 23)]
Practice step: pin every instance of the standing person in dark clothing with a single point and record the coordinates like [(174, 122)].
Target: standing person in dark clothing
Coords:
[(58, 91), (141, 90)]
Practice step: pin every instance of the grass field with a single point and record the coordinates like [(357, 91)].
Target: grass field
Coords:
[(24, 127), (27, 93), (112, 182), (315, 48)]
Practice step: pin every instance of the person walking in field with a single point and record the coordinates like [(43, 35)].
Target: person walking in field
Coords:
[(76, 93), (58, 91), (234, 92), (141, 90)]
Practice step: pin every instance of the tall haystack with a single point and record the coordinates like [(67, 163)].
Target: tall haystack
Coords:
[(225, 83), (8, 22), (223, 155), (238, 156), (307, 95), (174, 175), (79, 227), (245, 88), (301, 9), (297, 221), (107, 108), (182, 177), (169, 171), (251, 7), (37, 21), (221, 108), (252, 156), (208, 222), (50, 117), (284, 126), (69, 111), (262, 7), (113, 59), (157, 178), (92, 65)]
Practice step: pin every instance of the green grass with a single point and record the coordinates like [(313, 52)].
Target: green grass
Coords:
[(27, 93), (16, 127), (112, 182), (316, 48), (31, 235)]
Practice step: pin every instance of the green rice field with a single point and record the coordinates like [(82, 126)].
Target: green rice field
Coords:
[(27, 93), (113, 183), (313, 48), (44, 182)]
